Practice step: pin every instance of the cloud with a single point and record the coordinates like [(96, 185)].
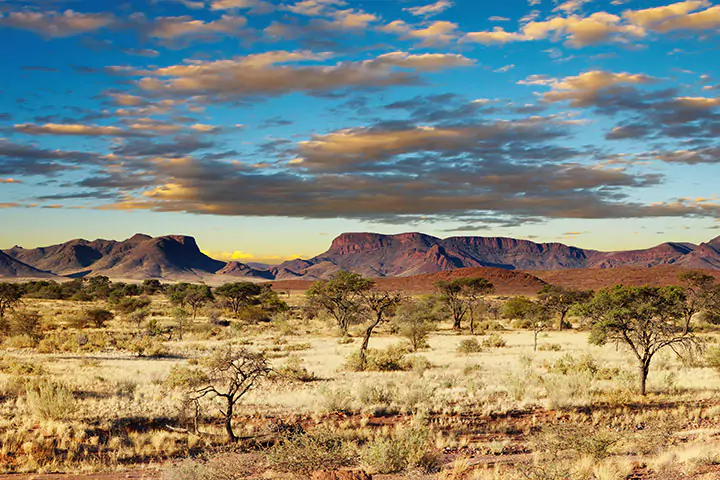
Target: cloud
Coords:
[(600, 27), (434, 33), (52, 24), (258, 7), (278, 73), (344, 148), (172, 28), (586, 89), (710, 155), (504, 69), (77, 129), (9, 180), (603, 27), (314, 8), (413, 193), (20, 160), (430, 9), (677, 16)]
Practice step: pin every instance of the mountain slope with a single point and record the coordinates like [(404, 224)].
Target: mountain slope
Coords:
[(10, 267), (408, 254), (173, 257)]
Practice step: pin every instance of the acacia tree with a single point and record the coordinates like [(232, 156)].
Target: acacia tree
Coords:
[(181, 319), (10, 295), (231, 373), (702, 294), (415, 320), (340, 297), (240, 294), (561, 300), (197, 296), (451, 294), (380, 304), (475, 289), (645, 319), (540, 320)]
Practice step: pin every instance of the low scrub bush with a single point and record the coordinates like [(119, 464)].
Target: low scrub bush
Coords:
[(295, 370), (494, 341), (469, 345), (393, 358), (49, 400), (148, 347), (300, 455), (406, 449)]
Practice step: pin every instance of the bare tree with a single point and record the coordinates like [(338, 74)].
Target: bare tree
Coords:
[(231, 374), (380, 304)]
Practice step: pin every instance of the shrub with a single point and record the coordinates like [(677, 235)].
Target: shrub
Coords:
[(98, 317), (300, 455), (25, 322), (407, 448), (712, 357), (337, 400), (469, 345), (585, 440), (128, 305), (295, 370), (49, 400), (550, 347), (494, 341), (148, 347), (374, 393), (390, 359)]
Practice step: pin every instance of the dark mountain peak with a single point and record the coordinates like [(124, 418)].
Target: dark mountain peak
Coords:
[(139, 237), (715, 242), (238, 269)]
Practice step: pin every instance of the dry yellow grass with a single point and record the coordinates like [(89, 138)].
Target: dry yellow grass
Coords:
[(121, 409)]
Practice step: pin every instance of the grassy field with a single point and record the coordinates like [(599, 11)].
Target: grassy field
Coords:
[(466, 407)]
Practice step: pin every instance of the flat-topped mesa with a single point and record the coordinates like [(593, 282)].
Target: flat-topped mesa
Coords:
[(178, 257), (358, 242)]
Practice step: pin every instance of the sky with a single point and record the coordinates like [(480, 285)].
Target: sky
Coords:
[(265, 128)]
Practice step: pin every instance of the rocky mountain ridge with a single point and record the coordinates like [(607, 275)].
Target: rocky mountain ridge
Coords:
[(178, 257)]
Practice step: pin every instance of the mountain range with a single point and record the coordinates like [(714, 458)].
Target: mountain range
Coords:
[(178, 257)]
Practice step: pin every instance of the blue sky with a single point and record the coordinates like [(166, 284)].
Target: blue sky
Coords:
[(266, 128)]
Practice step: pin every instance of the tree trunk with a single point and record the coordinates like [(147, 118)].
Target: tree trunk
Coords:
[(472, 322), (228, 421), (537, 332), (456, 324), (366, 341), (562, 320), (644, 370)]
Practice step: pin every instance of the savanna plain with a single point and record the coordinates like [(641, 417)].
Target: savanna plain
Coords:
[(345, 381)]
